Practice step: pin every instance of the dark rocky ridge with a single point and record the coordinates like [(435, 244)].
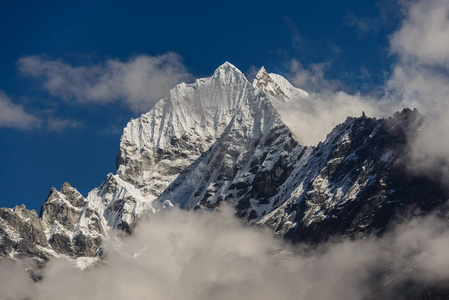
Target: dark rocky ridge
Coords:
[(388, 189)]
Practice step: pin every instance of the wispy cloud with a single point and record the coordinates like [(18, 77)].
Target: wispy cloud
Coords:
[(14, 116), (299, 42), (363, 25), (55, 124), (311, 78), (388, 15), (138, 82)]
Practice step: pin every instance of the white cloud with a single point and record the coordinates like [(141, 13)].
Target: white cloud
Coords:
[(138, 82), (328, 105), (313, 119), (423, 35), (14, 116), (15, 282)]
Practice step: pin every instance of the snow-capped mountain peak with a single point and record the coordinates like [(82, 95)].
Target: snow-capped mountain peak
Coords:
[(221, 139), (161, 143), (226, 68)]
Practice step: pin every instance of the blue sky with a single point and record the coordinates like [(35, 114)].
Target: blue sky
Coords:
[(58, 124)]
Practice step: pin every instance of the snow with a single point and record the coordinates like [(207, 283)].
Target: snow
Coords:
[(309, 182), (57, 228), (188, 121), (61, 199), (48, 251)]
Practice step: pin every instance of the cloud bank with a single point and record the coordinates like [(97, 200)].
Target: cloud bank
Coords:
[(190, 255), (138, 82)]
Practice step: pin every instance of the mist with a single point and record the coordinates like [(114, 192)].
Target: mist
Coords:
[(212, 255)]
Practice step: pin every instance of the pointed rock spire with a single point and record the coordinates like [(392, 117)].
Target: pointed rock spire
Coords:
[(262, 72), (262, 78)]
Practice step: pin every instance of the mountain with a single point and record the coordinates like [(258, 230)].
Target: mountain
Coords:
[(221, 139), (356, 182)]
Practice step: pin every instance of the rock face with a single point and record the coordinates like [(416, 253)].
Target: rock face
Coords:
[(72, 228), (222, 139), (63, 228), (356, 182), (21, 233)]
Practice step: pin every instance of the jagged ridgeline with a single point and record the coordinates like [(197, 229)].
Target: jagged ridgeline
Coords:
[(221, 139)]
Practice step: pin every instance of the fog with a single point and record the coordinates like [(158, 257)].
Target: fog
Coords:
[(191, 255)]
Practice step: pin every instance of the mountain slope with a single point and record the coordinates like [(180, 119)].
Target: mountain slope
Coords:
[(245, 167), (357, 182)]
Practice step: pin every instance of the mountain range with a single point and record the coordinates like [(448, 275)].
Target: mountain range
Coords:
[(221, 139)]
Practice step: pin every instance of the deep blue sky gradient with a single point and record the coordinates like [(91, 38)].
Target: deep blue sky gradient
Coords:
[(204, 33)]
